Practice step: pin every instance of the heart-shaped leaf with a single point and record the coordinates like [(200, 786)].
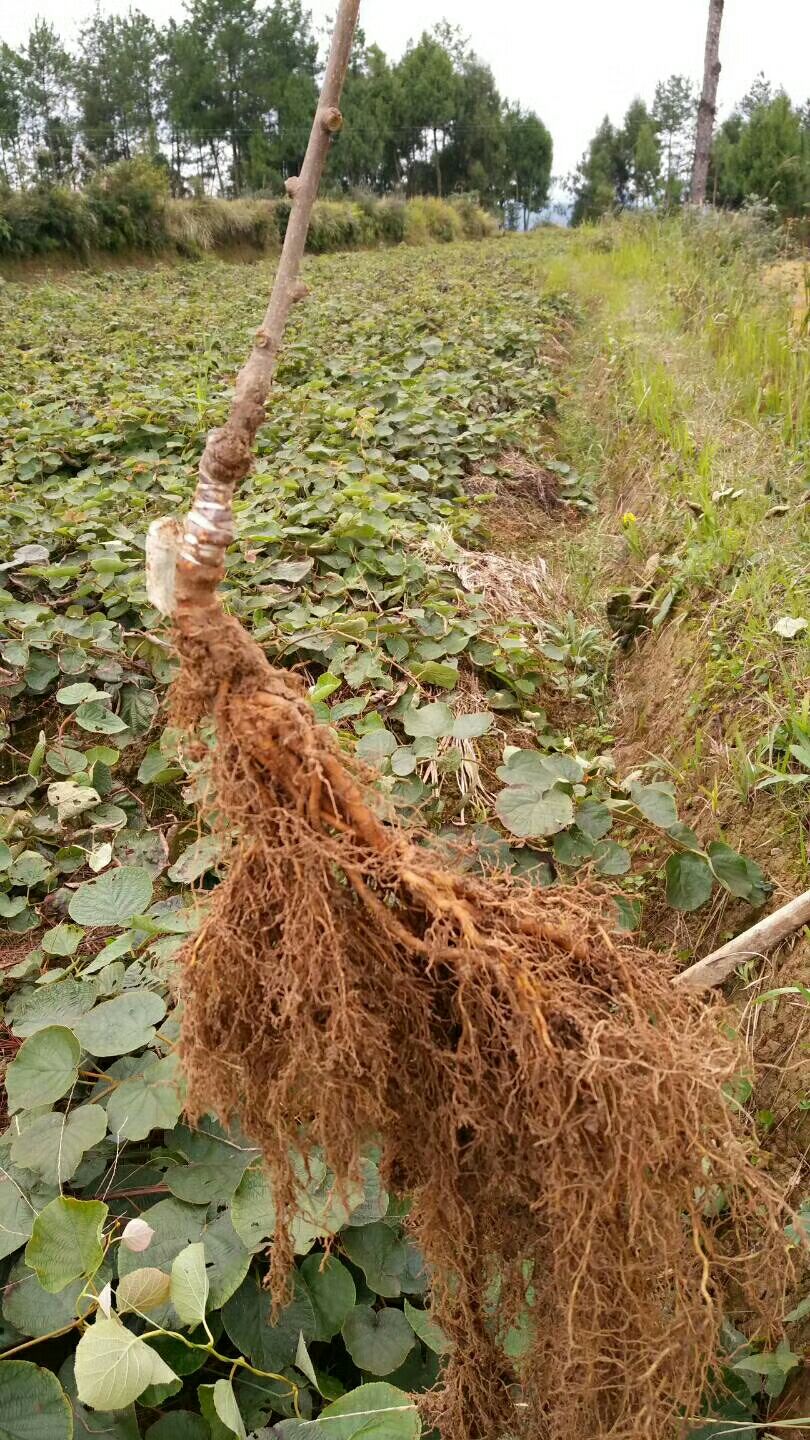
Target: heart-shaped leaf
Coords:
[(531, 814), (377, 1340), (689, 881), (66, 1241), (151, 1100), (44, 1068), (472, 727), (33, 1405), (189, 1284), (332, 1293), (143, 1289), (377, 1411), (114, 1367), (97, 717), (428, 1330), (114, 898), (381, 1255), (433, 720), (122, 1024), (376, 745), (655, 802), (53, 1145)]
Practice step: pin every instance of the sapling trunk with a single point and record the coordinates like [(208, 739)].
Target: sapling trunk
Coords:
[(228, 454), (528, 1076)]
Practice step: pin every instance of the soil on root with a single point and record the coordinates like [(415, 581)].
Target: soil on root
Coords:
[(553, 1107)]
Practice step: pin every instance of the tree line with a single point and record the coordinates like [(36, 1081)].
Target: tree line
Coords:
[(224, 99), (762, 152)]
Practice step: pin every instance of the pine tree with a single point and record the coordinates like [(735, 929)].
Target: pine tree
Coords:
[(46, 95), (117, 84), (529, 152), (674, 115)]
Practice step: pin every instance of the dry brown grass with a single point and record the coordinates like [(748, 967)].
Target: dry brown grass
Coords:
[(510, 588), (792, 277), (520, 505)]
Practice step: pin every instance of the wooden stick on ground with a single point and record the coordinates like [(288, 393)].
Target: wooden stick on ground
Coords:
[(761, 938)]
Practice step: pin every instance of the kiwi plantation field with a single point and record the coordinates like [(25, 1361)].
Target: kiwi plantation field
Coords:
[(527, 517)]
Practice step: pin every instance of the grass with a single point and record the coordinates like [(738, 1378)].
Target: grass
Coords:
[(694, 418), (126, 210), (194, 227), (689, 413)]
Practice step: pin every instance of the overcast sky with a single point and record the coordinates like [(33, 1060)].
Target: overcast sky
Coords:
[(572, 61)]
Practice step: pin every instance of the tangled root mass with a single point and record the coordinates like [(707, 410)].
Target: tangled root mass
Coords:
[(554, 1108)]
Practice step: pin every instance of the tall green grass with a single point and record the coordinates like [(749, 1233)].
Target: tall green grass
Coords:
[(714, 266), (771, 364), (711, 268), (693, 410)]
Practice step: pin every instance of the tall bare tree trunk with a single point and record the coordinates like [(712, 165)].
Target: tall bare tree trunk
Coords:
[(708, 103)]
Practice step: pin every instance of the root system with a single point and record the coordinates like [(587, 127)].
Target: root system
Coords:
[(552, 1106)]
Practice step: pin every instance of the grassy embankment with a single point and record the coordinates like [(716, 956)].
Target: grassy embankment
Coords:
[(690, 410), (690, 406), (125, 215)]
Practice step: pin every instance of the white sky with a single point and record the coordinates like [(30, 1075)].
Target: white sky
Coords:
[(572, 61)]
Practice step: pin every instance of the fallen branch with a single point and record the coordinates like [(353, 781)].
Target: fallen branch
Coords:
[(761, 938)]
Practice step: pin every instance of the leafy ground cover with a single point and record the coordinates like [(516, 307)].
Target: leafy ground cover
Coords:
[(426, 545)]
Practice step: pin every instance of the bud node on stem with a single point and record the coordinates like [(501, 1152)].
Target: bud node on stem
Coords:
[(331, 119)]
